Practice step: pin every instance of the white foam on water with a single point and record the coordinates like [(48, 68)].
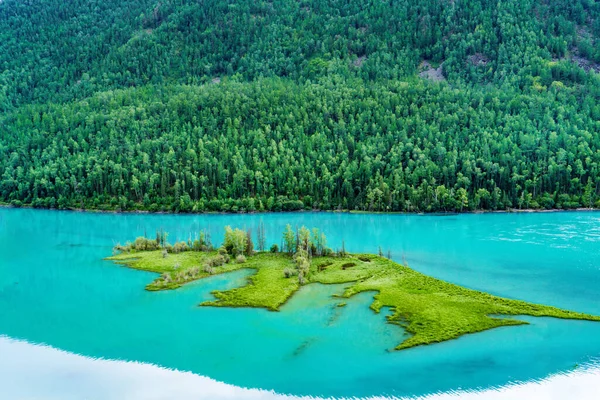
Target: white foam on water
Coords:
[(582, 384), (38, 372)]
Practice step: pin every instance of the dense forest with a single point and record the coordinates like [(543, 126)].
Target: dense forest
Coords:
[(223, 105)]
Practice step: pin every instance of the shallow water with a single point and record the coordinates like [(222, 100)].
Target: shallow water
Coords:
[(56, 289)]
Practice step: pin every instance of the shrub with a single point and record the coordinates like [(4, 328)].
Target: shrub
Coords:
[(364, 258), (240, 259), (198, 246), (122, 249), (203, 241), (176, 266), (144, 244), (216, 261), (166, 278), (165, 253), (180, 247), (301, 279), (219, 260), (209, 270), (274, 249), (288, 272), (326, 251)]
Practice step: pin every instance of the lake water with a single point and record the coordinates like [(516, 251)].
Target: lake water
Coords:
[(56, 290)]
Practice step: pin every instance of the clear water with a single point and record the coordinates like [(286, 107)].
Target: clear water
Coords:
[(56, 289)]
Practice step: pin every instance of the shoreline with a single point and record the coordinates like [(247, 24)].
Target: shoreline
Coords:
[(421, 213)]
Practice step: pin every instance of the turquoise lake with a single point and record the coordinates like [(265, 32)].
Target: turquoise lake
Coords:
[(56, 289)]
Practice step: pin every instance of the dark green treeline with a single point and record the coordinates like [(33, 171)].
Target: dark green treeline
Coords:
[(246, 105)]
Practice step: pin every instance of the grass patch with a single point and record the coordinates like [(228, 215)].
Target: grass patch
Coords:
[(176, 269), (267, 288), (429, 309)]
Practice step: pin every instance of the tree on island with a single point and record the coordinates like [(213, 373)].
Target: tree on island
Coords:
[(289, 240), (249, 243), (235, 241), (304, 239)]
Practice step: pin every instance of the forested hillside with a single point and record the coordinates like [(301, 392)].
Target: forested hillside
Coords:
[(216, 105)]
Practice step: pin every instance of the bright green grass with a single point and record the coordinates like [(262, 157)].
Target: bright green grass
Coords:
[(430, 310)]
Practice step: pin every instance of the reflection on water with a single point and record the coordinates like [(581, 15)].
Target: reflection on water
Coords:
[(40, 372), (59, 375)]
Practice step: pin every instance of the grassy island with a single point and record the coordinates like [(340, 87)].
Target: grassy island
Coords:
[(429, 309)]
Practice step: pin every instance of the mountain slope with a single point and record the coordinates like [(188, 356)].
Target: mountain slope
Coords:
[(217, 105)]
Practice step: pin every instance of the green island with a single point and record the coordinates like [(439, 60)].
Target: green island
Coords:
[(430, 310)]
